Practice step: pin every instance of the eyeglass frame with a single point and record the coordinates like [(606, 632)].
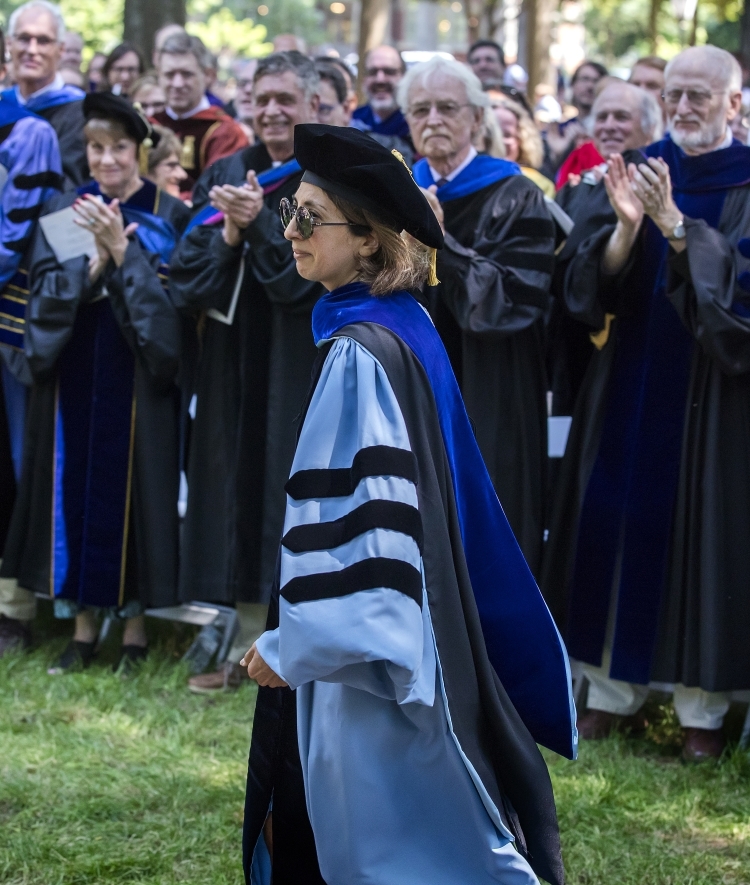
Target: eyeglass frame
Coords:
[(451, 115), (286, 206), (705, 97)]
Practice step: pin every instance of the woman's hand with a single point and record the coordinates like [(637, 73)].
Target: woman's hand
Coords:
[(259, 670), (628, 208), (430, 194), (107, 225)]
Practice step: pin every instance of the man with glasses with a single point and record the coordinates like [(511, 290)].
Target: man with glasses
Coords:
[(381, 116), (207, 133), (235, 270), (333, 108), (37, 39), (648, 559), (494, 274)]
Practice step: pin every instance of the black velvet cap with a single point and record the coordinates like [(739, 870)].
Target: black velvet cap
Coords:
[(105, 106), (353, 166)]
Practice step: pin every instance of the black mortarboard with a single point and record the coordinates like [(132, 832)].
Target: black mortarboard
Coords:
[(350, 164)]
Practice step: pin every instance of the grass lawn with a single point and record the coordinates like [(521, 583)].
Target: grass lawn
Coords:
[(109, 780)]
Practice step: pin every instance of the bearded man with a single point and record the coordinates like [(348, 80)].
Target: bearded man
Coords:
[(647, 563)]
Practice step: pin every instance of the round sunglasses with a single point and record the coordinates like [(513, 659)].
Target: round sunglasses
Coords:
[(305, 221)]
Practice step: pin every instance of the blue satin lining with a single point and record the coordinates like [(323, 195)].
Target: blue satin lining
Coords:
[(522, 641), (51, 99), (629, 500), (480, 173)]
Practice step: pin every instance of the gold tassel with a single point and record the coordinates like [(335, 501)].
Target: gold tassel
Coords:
[(143, 150), (600, 338), (432, 278)]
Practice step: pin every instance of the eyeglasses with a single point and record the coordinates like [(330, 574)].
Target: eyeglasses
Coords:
[(445, 109), (42, 42), (696, 98), (387, 72), (306, 222)]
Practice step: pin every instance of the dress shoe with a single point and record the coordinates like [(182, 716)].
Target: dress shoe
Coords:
[(228, 677), (594, 725), (703, 743), (13, 634), (77, 656)]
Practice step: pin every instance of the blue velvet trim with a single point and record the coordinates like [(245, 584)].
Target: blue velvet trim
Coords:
[(52, 99), (629, 500), (10, 112), (522, 641), (363, 118), (92, 459), (480, 173), (267, 179)]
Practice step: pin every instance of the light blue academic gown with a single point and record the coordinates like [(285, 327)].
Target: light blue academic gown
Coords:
[(391, 797)]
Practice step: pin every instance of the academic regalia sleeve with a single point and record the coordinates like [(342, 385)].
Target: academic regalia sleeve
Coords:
[(702, 287), (146, 316), (70, 122), (351, 586), (32, 158), (274, 265), (56, 291), (502, 284), (203, 270)]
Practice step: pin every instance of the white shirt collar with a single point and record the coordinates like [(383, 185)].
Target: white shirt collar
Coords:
[(203, 105), (436, 176), (57, 83)]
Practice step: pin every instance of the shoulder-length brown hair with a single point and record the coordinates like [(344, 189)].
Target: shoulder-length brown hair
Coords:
[(399, 263)]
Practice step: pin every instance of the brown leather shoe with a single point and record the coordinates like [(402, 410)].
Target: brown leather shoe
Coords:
[(13, 634), (702, 744), (594, 725), (228, 677)]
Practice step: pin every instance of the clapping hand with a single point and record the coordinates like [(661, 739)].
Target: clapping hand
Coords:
[(240, 205), (108, 227), (652, 185), (430, 194), (617, 180)]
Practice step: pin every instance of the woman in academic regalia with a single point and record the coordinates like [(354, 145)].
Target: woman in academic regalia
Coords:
[(95, 522), (410, 663)]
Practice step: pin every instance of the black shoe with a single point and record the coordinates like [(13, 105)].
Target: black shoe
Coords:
[(131, 657), (13, 634), (77, 656)]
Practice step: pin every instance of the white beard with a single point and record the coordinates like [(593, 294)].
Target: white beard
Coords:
[(708, 134), (383, 104)]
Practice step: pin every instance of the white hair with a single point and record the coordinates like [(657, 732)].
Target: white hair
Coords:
[(449, 67), (651, 116), (52, 8), (731, 72)]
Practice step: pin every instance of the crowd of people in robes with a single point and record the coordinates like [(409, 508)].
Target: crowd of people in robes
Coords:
[(585, 293)]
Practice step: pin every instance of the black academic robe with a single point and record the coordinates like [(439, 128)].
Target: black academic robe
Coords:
[(250, 383), (486, 723), (703, 621), (68, 122), (61, 300), (569, 345), (495, 272)]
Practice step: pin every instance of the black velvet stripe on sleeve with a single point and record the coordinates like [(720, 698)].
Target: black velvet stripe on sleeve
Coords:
[(39, 179), (18, 216), (527, 260), (393, 515), (340, 482), (522, 293), (533, 227), (367, 574)]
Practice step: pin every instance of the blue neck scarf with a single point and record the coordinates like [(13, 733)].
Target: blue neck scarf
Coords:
[(522, 641), (629, 500), (480, 173), (11, 113), (268, 180), (51, 99), (154, 233)]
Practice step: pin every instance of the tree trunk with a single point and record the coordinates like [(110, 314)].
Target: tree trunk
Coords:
[(372, 25), (143, 18), (694, 26), (538, 41), (653, 24), (745, 31)]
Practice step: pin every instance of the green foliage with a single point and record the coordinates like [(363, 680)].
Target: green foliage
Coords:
[(300, 17), (221, 31), (107, 780)]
